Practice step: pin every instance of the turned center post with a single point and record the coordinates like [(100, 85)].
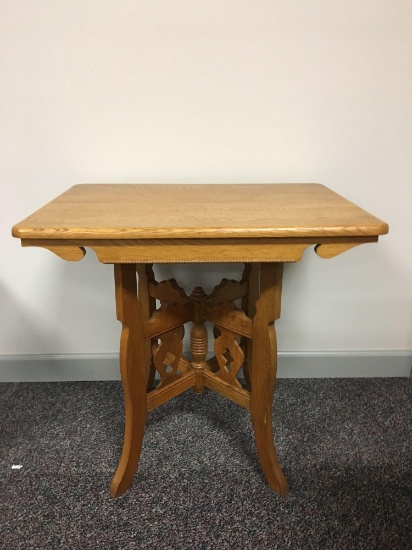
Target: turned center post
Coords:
[(198, 339)]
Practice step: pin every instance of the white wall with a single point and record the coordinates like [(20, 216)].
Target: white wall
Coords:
[(208, 91)]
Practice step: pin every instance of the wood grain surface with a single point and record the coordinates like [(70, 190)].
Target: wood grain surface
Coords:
[(159, 211)]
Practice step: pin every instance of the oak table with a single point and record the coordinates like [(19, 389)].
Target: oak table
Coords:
[(138, 225)]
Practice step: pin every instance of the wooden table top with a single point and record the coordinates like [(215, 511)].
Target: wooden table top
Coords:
[(160, 211)]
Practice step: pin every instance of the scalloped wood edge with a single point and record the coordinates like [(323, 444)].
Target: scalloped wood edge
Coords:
[(227, 290), (65, 251), (168, 291), (331, 250), (198, 250)]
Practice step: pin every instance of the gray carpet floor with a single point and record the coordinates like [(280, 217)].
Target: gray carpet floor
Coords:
[(345, 446)]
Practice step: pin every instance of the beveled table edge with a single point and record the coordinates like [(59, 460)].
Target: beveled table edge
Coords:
[(101, 233)]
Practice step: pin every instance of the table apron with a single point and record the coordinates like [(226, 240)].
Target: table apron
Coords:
[(198, 250)]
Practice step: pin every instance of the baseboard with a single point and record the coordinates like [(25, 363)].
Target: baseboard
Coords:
[(81, 367)]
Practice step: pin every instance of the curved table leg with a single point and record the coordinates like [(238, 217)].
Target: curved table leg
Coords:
[(263, 371), (134, 372)]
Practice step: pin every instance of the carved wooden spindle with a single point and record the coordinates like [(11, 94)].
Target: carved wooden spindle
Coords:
[(198, 339)]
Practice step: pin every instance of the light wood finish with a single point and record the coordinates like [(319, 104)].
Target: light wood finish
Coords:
[(230, 357), (168, 317), (168, 291), (63, 249), (229, 317), (135, 374), (148, 306), (156, 397), (151, 251), (234, 393), (167, 356), (139, 211), (135, 226), (165, 392), (184, 364), (333, 249), (264, 352), (227, 291), (198, 338), (251, 277)]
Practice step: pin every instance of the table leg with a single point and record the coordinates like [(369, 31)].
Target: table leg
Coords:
[(135, 374), (263, 369), (148, 304), (251, 276)]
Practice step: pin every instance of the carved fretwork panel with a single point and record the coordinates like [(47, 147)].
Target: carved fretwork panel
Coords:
[(229, 356), (167, 356), (177, 308), (228, 290), (228, 316), (145, 277), (168, 291), (166, 318)]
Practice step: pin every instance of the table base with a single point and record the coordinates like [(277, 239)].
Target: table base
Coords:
[(151, 342)]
